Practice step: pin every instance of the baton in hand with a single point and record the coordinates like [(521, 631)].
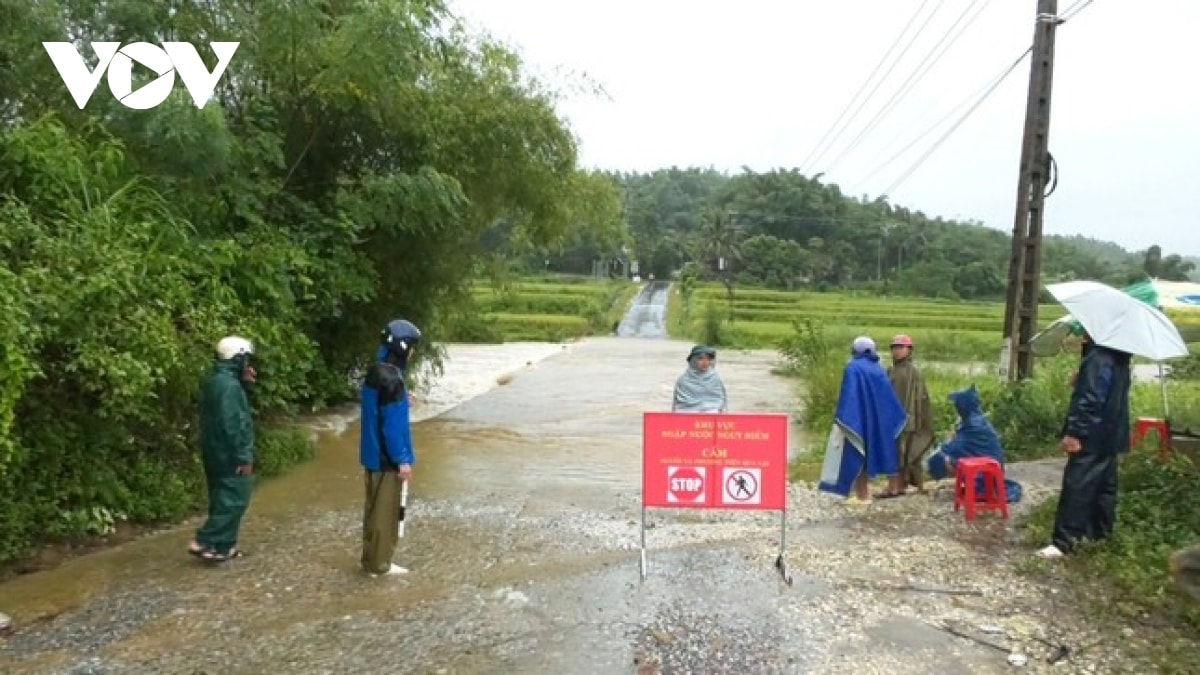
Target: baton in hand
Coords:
[(403, 503)]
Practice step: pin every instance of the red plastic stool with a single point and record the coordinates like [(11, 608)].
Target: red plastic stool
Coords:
[(994, 498), (1145, 425)]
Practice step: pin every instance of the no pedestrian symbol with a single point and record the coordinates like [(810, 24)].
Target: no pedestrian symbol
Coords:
[(685, 484), (741, 486)]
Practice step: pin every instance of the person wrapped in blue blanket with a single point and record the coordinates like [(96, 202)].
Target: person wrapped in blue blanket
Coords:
[(866, 425), (975, 437)]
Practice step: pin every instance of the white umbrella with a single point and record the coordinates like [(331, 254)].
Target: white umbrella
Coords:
[(1119, 321), (1182, 297)]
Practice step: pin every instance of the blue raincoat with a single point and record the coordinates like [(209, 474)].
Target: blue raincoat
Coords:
[(386, 440), (868, 421), (975, 437)]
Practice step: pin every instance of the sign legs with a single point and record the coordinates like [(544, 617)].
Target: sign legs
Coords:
[(643, 562), (780, 563)]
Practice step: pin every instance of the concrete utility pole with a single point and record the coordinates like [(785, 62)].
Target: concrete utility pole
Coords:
[(1025, 266)]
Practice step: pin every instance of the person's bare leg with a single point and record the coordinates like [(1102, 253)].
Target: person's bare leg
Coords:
[(862, 487)]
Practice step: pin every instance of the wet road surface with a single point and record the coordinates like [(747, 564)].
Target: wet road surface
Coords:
[(523, 546), (646, 317)]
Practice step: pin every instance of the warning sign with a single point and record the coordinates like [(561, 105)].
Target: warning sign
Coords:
[(685, 485), (715, 461), (742, 486)]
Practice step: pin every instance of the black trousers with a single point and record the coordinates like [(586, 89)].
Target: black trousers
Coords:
[(1087, 507)]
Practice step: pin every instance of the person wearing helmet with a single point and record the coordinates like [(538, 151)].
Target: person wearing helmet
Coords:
[(386, 446), (918, 435), (700, 389), (227, 446), (866, 425)]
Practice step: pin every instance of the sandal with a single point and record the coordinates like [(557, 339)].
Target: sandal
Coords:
[(211, 555), (888, 495), (197, 550)]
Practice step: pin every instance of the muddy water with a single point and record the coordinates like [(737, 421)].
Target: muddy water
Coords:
[(537, 478), (330, 480)]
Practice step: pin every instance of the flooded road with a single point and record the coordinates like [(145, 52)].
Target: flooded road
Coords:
[(646, 317), (522, 539)]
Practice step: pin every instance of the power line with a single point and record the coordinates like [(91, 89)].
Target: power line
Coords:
[(815, 156), (1074, 9), (982, 91), (996, 85), (913, 79)]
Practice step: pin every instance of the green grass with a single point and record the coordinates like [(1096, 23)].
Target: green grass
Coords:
[(540, 310), (944, 330), (1125, 580)]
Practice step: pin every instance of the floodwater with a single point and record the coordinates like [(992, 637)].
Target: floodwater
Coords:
[(522, 540), (528, 467), (646, 317)]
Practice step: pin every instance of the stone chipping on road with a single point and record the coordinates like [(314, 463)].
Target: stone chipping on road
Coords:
[(516, 576)]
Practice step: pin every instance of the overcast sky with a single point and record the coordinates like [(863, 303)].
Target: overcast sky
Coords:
[(696, 83)]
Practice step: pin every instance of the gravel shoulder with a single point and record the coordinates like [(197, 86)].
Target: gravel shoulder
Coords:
[(524, 550)]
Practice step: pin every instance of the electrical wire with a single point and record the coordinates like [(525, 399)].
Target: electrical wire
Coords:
[(1072, 11), (915, 77), (821, 148), (979, 92), (996, 85)]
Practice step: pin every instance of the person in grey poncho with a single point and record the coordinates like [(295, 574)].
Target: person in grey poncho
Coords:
[(699, 389)]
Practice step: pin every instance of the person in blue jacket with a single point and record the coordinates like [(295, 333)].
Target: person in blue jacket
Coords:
[(974, 437), (386, 446)]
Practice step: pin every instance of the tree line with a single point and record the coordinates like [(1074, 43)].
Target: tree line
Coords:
[(352, 160), (783, 229)]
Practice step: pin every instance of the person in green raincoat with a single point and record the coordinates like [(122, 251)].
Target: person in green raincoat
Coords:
[(918, 433), (227, 448)]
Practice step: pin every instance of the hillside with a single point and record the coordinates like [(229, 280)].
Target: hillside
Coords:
[(783, 229)]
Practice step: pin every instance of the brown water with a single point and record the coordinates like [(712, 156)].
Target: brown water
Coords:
[(547, 445)]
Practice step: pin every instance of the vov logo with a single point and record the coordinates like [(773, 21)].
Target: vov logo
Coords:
[(117, 61)]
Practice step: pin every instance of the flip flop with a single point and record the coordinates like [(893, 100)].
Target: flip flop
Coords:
[(197, 550), (888, 495), (212, 556)]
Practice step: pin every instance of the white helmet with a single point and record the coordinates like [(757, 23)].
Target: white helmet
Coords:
[(863, 345), (233, 346)]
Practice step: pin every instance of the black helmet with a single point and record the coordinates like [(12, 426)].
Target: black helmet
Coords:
[(401, 336)]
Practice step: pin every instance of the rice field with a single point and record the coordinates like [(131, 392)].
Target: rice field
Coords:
[(538, 309), (944, 330)]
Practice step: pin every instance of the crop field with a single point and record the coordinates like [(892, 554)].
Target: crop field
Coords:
[(539, 309), (944, 330)]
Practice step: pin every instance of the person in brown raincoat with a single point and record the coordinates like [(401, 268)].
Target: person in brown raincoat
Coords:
[(918, 434)]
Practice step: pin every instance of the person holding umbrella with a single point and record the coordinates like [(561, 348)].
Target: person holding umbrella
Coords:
[(1095, 433), (1096, 430)]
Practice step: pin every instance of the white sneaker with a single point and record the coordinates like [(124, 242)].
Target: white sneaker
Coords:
[(1050, 552), (393, 570)]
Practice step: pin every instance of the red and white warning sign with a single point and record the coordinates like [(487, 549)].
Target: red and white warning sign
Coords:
[(685, 485), (741, 486)]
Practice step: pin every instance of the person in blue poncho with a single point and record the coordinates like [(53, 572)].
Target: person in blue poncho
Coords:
[(386, 445), (866, 426), (975, 437)]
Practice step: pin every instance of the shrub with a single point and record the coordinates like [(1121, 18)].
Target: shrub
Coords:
[(1156, 515)]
